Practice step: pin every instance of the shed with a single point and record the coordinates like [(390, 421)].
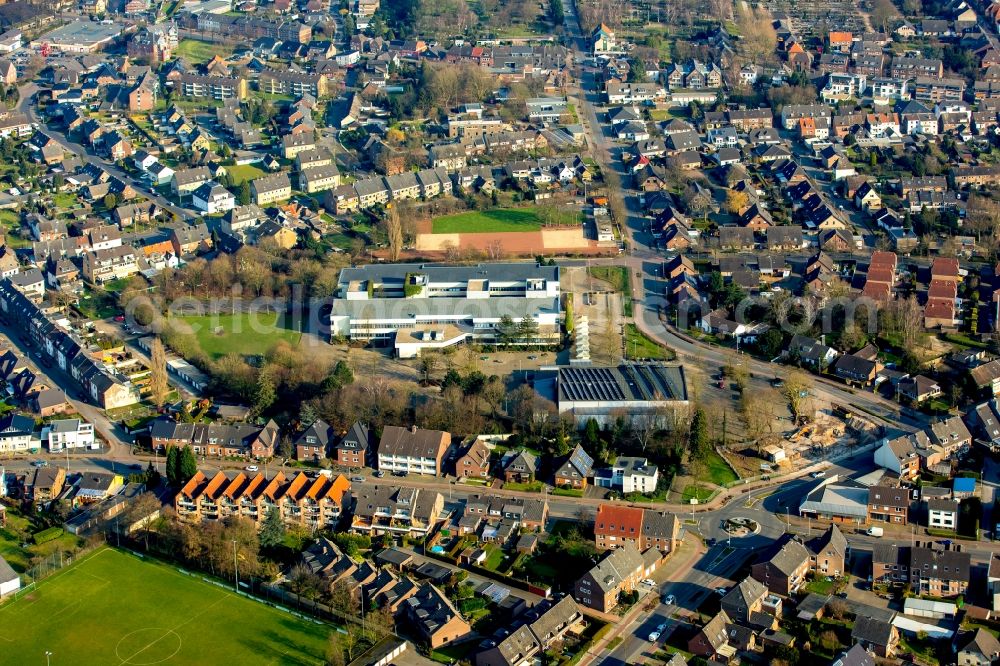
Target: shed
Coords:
[(937, 610)]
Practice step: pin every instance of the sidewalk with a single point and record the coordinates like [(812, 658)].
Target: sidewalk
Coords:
[(685, 557)]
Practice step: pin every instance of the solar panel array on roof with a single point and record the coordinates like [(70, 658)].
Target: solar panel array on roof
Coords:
[(581, 460), (590, 384)]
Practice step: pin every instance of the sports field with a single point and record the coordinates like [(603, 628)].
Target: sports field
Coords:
[(113, 608), (488, 221), (244, 334), (196, 51)]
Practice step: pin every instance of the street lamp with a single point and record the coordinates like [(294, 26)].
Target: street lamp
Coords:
[(48, 658)]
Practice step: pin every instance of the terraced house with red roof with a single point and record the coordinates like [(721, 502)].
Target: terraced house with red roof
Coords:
[(301, 501)]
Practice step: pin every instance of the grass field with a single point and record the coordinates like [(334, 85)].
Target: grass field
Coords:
[(197, 51), (488, 221), (113, 608), (617, 277), (717, 470), (240, 334), (242, 172), (639, 346)]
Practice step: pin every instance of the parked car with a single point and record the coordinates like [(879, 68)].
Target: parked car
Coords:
[(722, 591), (39, 463), (670, 600), (252, 468), (379, 474), (656, 633), (357, 479)]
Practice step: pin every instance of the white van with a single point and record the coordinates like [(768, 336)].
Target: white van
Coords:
[(875, 531)]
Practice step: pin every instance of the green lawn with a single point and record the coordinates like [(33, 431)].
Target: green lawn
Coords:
[(530, 487), (488, 221), (691, 491), (64, 200), (718, 470), (637, 345), (243, 172), (242, 334), (112, 607), (197, 51), (17, 543)]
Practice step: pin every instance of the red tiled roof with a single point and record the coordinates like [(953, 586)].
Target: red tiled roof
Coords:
[(612, 519)]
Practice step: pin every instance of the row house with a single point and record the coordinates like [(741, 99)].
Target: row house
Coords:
[(217, 439), (313, 504), (616, 525), (547, 626), (107, 388), (619, 571), (271, 188)]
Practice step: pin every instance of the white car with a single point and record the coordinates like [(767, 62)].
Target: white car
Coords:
[(722, 591), (649, 582), (252, 468), (818, 475), (670, 600), (656, 633)]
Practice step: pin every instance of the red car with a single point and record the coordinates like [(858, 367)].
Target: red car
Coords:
[(120, 318)]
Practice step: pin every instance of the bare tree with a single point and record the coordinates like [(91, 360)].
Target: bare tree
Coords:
[(159, 385), (798, 386), (394, 233)]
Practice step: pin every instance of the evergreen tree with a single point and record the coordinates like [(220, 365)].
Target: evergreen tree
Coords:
[(265, 394), (173, 466), (243, 193), (188, 465), (699, 433), (272, 532), (506, 330), (527, 329)]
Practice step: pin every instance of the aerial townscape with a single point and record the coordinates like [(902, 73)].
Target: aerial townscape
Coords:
[(499, 332)]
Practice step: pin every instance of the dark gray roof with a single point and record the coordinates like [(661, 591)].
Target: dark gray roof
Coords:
[(872, 630), (856, 656), (626, 382), (7, 574), (982, 642), (940, 564)]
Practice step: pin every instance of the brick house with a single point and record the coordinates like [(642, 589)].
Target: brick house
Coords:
[(888, 505), (575, 469), (473, 461), (784, 568), (352, 450), (313, 443)]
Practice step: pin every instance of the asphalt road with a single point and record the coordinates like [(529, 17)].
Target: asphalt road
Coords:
[(26, 105)]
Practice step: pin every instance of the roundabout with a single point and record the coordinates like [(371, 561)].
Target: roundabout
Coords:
[(739, 527)]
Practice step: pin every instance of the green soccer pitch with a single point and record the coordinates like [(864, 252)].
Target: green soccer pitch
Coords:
[(111, 607)]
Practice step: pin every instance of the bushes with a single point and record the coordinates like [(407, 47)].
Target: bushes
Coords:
[(50, 534), (352, 544)]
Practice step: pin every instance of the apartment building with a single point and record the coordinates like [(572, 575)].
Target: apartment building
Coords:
[(412, 450), (112, 263), (313, 504), (630, 475), (319, 178), (614, 525), (380, 509), (271, 189), (297, 84), (939, 572), (427, 306), (197, 86)]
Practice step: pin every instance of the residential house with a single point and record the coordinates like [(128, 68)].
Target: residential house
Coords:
[(899, 455), (354, 448), (875, 635), (473, 461), (431, 614), (552, 621), (829, 553), (980, 649), (313, 443), (66, 434), (412, 450), (942, 514), (619, 571), (16, 433), (939, 573), (888, 505), (574, 470), (784, 567), (519, 466)]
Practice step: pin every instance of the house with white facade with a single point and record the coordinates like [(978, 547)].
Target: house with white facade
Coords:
[(69, 434), (942, 514), (412, 449), (630, 475), (17, 433)]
